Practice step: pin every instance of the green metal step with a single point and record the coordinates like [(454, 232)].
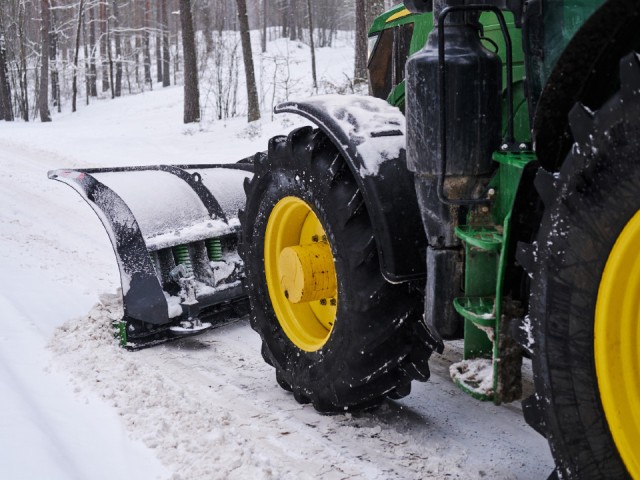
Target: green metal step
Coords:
[(485, 238), (475, 377), (475, 374), (478, 310)]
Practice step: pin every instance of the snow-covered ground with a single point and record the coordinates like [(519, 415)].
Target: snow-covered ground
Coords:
[(75, 406)]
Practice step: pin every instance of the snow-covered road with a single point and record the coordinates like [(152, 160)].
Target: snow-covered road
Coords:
[(76, 406)]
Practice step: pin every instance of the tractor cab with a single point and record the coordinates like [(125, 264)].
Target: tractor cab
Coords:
[(392, 38)]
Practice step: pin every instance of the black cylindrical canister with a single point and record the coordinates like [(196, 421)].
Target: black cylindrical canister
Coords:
[(472, 102)]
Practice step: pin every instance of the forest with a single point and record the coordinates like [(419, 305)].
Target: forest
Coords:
[(57, 53)]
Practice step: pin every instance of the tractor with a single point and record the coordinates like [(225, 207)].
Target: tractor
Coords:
[(488, 190)]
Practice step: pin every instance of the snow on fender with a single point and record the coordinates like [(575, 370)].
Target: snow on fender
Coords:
[(370, 134)]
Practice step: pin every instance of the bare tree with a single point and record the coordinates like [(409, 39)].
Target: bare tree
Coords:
[(75, 58), (53, 61), (166, 58), (6, 109), (263, 40), (292, 10), (313, 50), (366, 12), (23, 99), (146, 42), (191, 90), (158, 41), (43, 99), (245, 38), (85, 44), (118, 43), (360, 71), (374, 8), (105, 46), (92, 76), (283, 6), (207, 30)]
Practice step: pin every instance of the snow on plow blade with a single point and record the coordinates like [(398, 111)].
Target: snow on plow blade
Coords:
[(174, 233)]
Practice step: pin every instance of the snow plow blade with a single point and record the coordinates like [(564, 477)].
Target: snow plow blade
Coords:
[(174, 231)]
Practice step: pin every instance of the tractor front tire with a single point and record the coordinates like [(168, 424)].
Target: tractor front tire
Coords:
[(348, 338), (585, 293)]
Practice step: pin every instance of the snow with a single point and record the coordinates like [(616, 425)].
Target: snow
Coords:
[(158, 200), (75, 406), (185, 233), (527, 328), (371, 124), (173, 305), (476, 374), (224, 186)]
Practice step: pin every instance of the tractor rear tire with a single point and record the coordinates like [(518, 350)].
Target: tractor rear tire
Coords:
[(585, 298), (368, 348)]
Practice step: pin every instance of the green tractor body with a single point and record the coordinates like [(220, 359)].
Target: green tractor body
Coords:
[(393, 37), (564, 55)]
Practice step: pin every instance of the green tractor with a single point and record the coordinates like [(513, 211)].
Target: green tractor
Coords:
[(500, 208), (489, 191)]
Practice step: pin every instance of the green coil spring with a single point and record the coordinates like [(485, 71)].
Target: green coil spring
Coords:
[(121, 332), (181, 253), (214, 249)]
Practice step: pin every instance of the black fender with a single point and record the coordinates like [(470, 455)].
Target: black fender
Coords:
[(370, 134), (586, 72)]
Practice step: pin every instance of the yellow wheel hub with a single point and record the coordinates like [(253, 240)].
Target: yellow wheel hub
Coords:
[(617, 344), (300, 274)]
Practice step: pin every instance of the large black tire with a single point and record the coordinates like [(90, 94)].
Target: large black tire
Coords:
[(374, 348), (587, 205)]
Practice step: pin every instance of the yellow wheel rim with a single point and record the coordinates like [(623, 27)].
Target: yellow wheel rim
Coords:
[(300, 274), (617, 344)]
